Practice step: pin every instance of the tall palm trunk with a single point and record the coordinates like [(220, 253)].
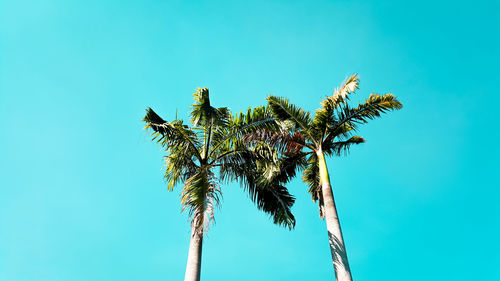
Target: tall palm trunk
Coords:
[(337, 247), (193, 267)]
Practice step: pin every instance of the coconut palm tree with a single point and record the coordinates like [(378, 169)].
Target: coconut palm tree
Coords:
[(209, 152), (309, 139)]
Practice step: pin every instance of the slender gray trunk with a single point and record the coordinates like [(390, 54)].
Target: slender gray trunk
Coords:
[(193, 267), (337, 247)]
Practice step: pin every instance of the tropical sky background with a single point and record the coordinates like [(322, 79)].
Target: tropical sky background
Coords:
[(81, 190)]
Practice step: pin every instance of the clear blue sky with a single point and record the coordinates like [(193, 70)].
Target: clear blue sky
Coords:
[(81, 191)]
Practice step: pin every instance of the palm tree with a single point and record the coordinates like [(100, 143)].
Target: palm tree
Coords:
[(308, 139), (214, 142)]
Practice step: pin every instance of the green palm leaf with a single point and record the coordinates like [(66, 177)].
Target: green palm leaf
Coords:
[(199, 195), (203, 114), (283, 110), (341, 147), (324, 116), (373, 107), (173, 135)]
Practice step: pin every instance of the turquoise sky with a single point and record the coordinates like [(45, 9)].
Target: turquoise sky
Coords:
[(81, 191)]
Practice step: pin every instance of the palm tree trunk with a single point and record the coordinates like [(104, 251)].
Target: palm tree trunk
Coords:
[(337, 247), (193, 267)]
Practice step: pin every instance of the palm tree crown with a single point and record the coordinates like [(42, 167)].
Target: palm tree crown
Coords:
[(214, 142), (305, 140), (329, 131)]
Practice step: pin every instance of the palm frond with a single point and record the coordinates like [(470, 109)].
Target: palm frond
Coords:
[(174, 135), (283, 110), (373, 107), (266, 187), (341, 147), (310, 175), (283, 141), (199, 196), (349, 118), (179, 166), (263, 176), (276, 201), (203, 114), (343, 131), (324, 115), (349, 86), (230, 136)]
